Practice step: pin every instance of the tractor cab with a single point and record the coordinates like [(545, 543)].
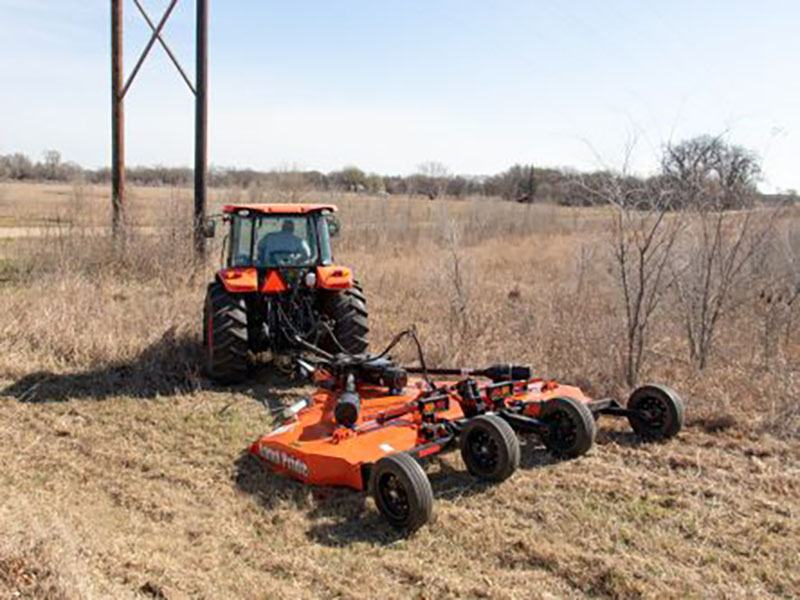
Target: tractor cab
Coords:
[(279, 284), (280, 235), (272, 247)]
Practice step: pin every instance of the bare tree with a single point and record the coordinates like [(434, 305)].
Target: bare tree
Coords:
[(713, 275), (433, 178), (52, 164), (518, 183), (643, 236), (709, 172), (710, 177)]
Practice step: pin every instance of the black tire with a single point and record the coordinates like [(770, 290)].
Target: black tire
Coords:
[(571, 427), (348, 310), (659, 412), (490, 448), (402, 492), (225, 335)]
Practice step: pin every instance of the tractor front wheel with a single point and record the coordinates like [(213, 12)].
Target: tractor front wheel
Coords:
[(490, 448), (570, 427), (402, 492), (657, 412), (225, 335)]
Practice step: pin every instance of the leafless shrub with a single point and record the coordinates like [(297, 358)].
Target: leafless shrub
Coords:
[(643, 235), (715, 271), (459, 290), (718, 262)]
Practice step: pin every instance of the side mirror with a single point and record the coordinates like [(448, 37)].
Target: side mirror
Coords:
[(210, 228), (334, 226)]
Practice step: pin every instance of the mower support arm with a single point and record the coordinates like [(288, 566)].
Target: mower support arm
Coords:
[(433, 447), (609, 406), (523, 423)]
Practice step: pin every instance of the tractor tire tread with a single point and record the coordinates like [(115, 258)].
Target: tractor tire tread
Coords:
[(349, 312), (227, 361)]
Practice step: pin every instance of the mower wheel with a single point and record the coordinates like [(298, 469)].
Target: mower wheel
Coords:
[(570, 427), (490, 448), (225, 335), (348, 310), (658, 412), (402, 492)]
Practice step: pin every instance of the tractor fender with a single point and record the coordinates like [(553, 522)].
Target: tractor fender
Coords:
[(237, 280), (334, 277)]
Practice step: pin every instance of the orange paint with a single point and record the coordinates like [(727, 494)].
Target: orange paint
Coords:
[(334, 278), (312, 448), (239, 279)]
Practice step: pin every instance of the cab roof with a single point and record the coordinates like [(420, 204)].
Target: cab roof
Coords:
[(279, 209)]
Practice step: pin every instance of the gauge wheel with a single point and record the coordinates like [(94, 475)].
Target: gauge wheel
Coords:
[(402, 492), (490, 448), (658, 412), (569, 427)]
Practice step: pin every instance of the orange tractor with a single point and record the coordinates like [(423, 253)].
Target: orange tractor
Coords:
[(279, 284)]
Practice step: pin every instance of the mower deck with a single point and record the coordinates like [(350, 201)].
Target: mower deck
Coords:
[(368, 425), (317, 451)]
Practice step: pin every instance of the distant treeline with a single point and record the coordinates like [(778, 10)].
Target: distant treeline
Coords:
[(691, 171), (521, 182)]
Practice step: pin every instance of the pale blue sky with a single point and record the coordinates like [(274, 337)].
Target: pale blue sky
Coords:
[(476, 85)]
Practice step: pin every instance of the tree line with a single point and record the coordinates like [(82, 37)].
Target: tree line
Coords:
[(729, 173)]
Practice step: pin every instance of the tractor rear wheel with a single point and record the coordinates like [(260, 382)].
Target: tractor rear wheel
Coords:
[(225, 335), (570, 427), (490, 448), (658, 412), (402, 492), (348, 310)]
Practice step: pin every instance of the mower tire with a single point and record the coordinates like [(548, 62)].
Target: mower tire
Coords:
[(225, 335), (348, 310), (658, 412), (570, 427), (490, 448), (402, 492)]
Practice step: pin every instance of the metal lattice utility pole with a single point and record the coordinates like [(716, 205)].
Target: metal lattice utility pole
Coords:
[(119, 89)]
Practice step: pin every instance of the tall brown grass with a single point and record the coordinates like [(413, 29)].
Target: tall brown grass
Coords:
[(155, 498), (482, 280)]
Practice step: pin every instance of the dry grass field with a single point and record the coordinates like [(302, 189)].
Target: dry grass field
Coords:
[(123, 473)]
